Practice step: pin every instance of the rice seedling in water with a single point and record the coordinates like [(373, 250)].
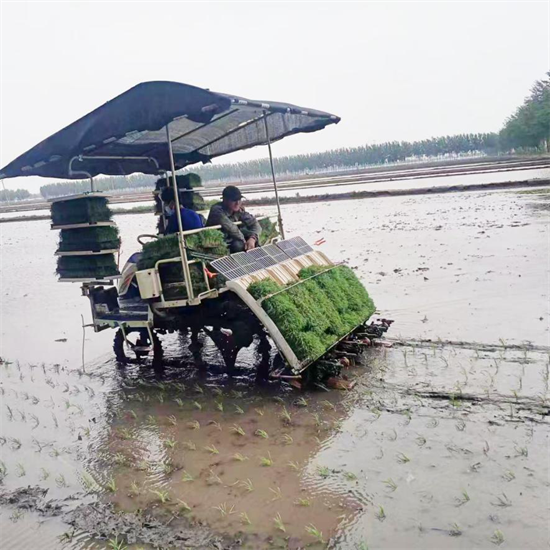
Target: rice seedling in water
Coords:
[(455, 530), (173, 420), (163, 496), (286, 417), (314, 532), (111, 485), (323, 471), (193, 425), (197, 405), (460, 501), (237, 429), (213, 479), (115, 544), (238, 410), (179, 402), (262, 433), (521, 451), (21, 472), (212, 449), (245, 520), (35, 420), (16, 515), (219, 406), (402, 458), (497, 538), (3, 470), (224, 510), (183, 506), (302, 502), (216, 425), (240, 457), (301, 402), (287, 439), (502, 501), (328, 405), (350, 476), (60, 481), (279, 523), (509, 476), (120, 459), (277, 493), (198, 389), (134, 489), (266, 460), (89, 483), (260, 411), (393, 435), (15, 443), (420, 441), (186, 476), (170, 443), (246, 484), (381, 514), (294, 465), (44, 474), (189, 445), (390, 484)]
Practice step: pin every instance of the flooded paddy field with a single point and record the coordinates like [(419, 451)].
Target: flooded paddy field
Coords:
[(442, 442)]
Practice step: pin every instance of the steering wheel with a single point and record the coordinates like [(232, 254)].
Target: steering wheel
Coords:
[(145, 235)]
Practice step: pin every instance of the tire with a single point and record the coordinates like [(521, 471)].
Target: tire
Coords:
[(143, 339)]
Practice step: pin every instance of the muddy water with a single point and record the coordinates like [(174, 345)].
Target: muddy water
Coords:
[(436, 446)]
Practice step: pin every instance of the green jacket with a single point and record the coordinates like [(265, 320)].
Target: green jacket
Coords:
[(249, 227)]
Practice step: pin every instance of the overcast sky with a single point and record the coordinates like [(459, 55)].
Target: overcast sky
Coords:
[(391, 70)]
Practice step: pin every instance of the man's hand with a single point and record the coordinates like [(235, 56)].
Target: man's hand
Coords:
[(250, 244)]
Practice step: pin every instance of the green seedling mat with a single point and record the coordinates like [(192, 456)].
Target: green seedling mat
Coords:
[(315, 314)]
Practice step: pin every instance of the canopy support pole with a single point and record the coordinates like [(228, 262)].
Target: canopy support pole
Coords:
[(279, 216), (81, 172), (181, 237)]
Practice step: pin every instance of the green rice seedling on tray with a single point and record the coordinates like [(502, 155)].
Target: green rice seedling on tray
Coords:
[(89, 239), (210, 241), (316, 314), (94, 267), (269, 231), (82, 210)]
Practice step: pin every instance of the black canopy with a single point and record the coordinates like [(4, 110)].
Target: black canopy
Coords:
[(128, 133)]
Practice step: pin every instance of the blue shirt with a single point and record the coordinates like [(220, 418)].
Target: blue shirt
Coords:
[(189, 220)]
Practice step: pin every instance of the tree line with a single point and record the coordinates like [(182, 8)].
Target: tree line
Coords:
[(105, 183), (529, 126), (8, 195), (350, 157)]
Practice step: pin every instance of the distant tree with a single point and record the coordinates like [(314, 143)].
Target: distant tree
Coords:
[(350, 157), (108, 183), (13, 195), (529, 126)]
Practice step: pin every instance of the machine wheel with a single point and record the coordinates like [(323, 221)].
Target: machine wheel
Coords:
[(138, 338)]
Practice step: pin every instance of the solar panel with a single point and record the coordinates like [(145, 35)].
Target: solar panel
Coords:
[(244, 263), (294, 247)]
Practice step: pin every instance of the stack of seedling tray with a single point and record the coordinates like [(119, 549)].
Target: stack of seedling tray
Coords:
[(88, 238)]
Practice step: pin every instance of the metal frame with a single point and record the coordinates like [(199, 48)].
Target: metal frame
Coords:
[(280, 217), (102, 157)]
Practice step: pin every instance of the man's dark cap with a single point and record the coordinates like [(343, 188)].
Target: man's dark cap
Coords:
[(232, 193), (168, 195)]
